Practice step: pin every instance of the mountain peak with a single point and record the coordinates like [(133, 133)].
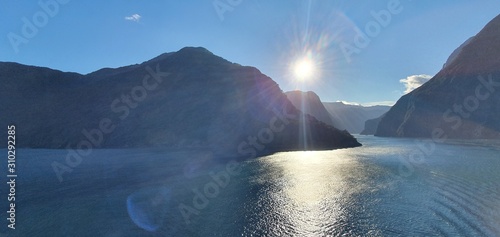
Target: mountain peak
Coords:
[(309, 94), (480, 54), (192, 99), (310, 103), (451, 102), (191, 49), (183, 51)]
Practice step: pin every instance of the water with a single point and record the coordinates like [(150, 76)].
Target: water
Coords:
[(388, 187)]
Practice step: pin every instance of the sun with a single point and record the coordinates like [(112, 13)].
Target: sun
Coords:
[(304, 69)]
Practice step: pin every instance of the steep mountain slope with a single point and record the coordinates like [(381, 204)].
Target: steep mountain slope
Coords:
[(461, 101), (310, 103), (187, 99), (456, 52), (353, 117), (371, 126)]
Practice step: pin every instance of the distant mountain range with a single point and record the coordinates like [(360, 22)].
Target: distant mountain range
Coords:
[(461, 101), (340, 115), (353, 117), (187, 99)]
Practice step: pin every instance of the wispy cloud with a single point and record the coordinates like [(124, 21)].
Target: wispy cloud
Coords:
[(415, 81), (369, 104), (386, 102), (135, 17), (348, 103)]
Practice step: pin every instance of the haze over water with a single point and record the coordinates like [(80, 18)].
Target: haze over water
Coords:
[(455, 191)]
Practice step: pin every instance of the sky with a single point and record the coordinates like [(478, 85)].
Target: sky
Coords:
[(366, 52)]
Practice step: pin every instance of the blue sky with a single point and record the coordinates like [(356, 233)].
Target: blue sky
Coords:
[(84, 36)]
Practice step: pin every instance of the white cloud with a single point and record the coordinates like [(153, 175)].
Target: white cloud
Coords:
[(348, 103), (135, 17), (369, 104), (415, 81), (386, 102)]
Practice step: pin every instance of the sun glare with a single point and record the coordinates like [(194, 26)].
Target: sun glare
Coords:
[(304, 69)]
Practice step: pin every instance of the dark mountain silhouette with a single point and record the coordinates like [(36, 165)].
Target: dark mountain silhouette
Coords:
[(353, 117), (456, 52), (461, 101), (310, 103), (187, 99)]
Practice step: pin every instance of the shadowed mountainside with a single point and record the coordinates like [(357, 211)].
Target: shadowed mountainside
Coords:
[(187, 99), (371, 126), (461, 101), (310, 103)]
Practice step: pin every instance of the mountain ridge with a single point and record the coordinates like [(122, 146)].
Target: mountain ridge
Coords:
[(189, 98), (460, 101), (310, 103)]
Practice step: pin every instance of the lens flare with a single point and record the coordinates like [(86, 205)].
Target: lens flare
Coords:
[(304, 69), (147, 208)]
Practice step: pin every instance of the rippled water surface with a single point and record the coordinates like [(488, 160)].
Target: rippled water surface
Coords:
[(388, 187)]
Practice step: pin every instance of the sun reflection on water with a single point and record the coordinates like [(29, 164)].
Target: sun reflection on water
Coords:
[(310, 190)]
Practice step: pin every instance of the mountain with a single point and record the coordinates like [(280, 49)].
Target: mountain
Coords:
[(310, 103), (353, 117), (457, 51), (371, 126), (186, 99), (460, 102)]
